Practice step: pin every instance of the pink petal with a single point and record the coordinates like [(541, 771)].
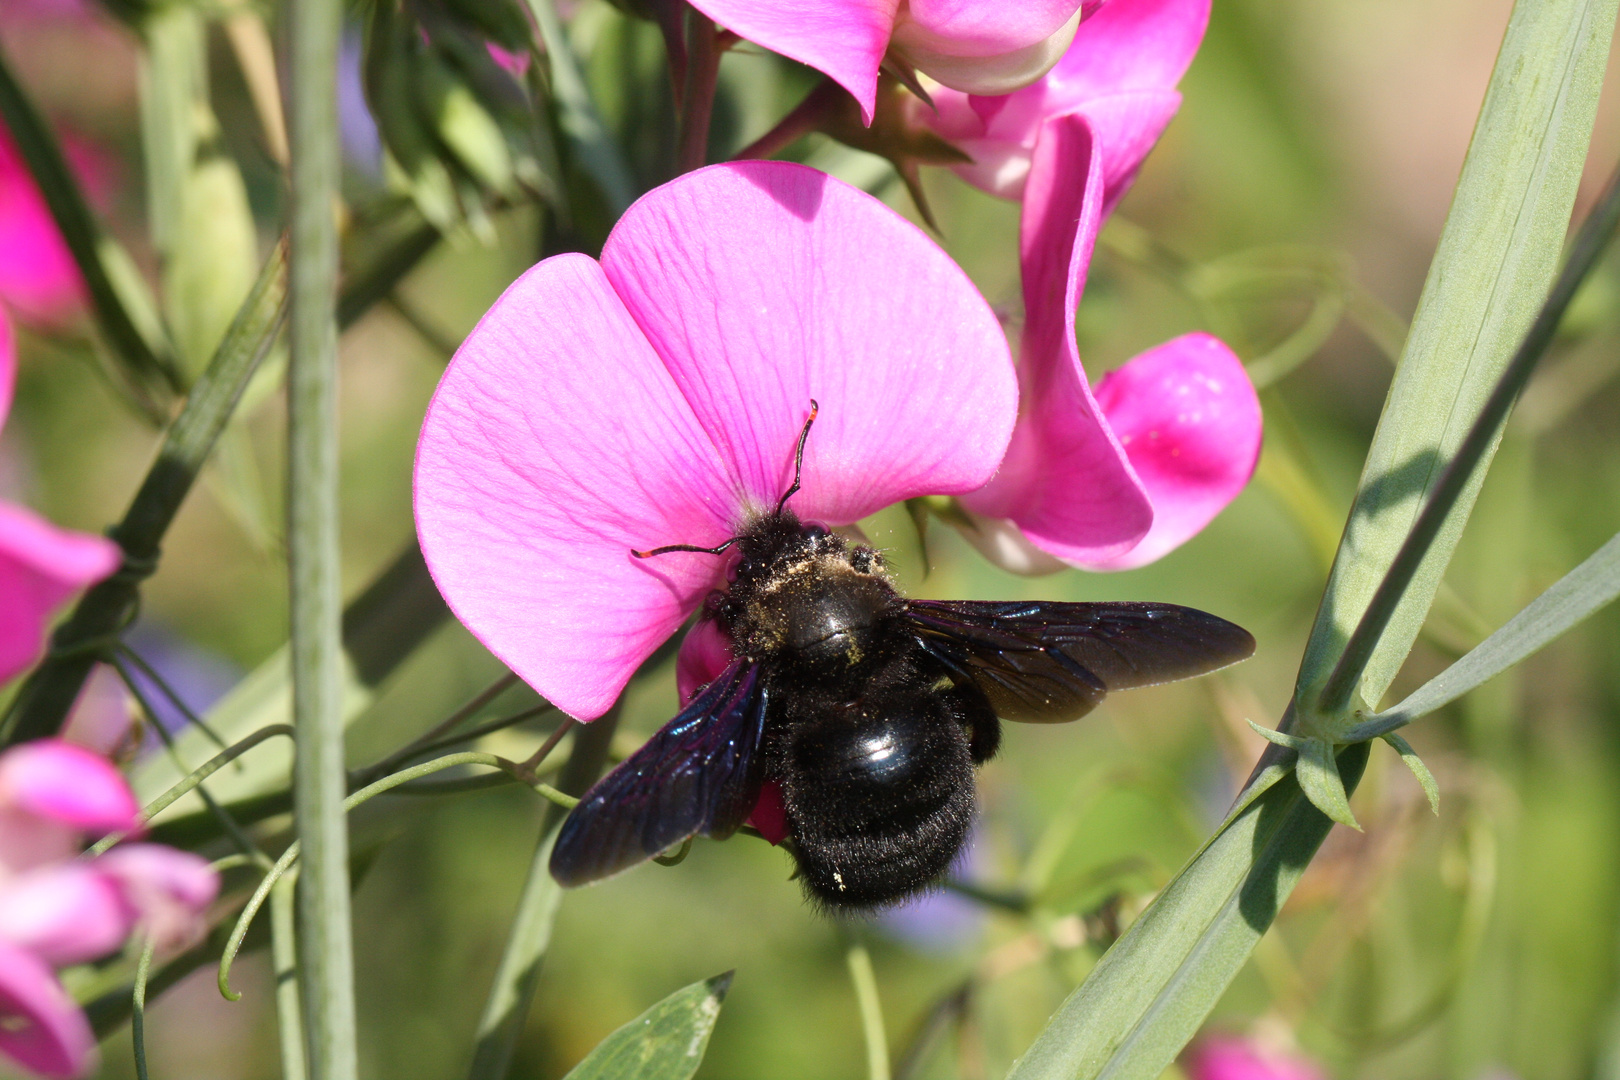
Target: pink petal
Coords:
[(168, 890), (985, 27), (40, 567), (103, 714), (555, 444), (1066, 482), (64, 914), (37, 273), (515, 64), (844, 39), (704, 654), (764, 285), (41, 1028), (1121, 71), (8, 366), (1228, 1058), (62, 783), (770, 813), (559, 439), (1189, 419)]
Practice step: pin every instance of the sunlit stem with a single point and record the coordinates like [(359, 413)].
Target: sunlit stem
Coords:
[(326, 966), (1589, 244), (866, 997), (137, 1016), (284, 961)]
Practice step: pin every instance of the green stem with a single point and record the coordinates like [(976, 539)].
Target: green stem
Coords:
[(137, 1017), (326, 968), (284, 961), (1593, 237), (82, 236), (107, 608), (697, 99), (866, 996), (519, 972)]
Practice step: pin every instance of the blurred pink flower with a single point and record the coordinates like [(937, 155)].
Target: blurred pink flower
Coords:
[(40, 565), (57, 909), (656, 398), (1120, 73), (1115, 478), (1227, 1057), (38, 277), (978, 46)]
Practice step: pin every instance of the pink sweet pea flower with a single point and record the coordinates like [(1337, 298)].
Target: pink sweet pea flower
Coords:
[(40, 565), (656, 398), (1120, 72), (1116, 478), (57, 909), (978, 46), (38, 277), (1227, 1057)]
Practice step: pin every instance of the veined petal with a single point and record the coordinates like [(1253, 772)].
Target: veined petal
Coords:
[(764, 285), (1066, 482), (41, 1028), (166, 890), (1189, 419), (556, 443), (66, 784), (64, 914), (843, 39), (41, 566)]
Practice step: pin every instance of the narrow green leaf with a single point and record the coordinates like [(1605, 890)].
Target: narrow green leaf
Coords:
[(1496, 259), (1425, 778), (1585, 589), (577, 116), (1278, 738), (664, 1043), (1318, 775), (1150, 992)]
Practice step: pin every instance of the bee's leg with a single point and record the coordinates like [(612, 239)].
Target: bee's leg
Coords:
[(972, 710)]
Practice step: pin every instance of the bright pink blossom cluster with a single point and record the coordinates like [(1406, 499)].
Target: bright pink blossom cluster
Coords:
[(58, 909), (653, 397)]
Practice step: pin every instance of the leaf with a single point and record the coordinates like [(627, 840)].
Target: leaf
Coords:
[(1425, 778), (1496, 259), (1579, 593), (1150, 992), (664, 1043)]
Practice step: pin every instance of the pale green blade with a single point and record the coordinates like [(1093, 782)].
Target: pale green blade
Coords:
[(664, 1043)]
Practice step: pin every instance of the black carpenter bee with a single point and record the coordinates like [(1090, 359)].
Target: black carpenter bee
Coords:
[(869, 711)]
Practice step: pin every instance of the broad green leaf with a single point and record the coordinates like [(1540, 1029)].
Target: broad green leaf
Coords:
[(1496, 259), (1579, 593), (664, 1043)]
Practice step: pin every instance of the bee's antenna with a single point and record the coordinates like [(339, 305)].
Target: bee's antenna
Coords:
[(798, 457), (667, 548)]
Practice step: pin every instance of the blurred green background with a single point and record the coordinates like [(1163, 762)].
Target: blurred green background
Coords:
[(1317, 140)]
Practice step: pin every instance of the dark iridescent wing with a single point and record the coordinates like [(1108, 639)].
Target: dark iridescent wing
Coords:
[(698, 774), (1049, 662)]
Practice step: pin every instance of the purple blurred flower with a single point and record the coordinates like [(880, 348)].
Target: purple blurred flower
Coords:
[(1227, 1057)]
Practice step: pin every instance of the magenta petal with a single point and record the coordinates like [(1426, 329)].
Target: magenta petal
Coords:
[(168, 890), (1066, 482), (1131, 45), (8, 366), (555, 444), (764, 285), (66, 784), (844, 39), (703, 655), (40, 567), (986, 27), (64, 914), (1229, 1058), (37, 272), (1189, 419), (41, 1028)]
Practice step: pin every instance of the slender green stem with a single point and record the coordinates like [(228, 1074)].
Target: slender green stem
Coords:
[(866, 996), (697, 99), (171, 693), (137, 1016), (1589, 243), (519, 971), (432, 735), (284, 961), (82, 236), (326, 968), (107, 608)]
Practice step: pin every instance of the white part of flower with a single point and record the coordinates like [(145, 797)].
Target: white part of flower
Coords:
[(999, 74), (1002, 543)]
